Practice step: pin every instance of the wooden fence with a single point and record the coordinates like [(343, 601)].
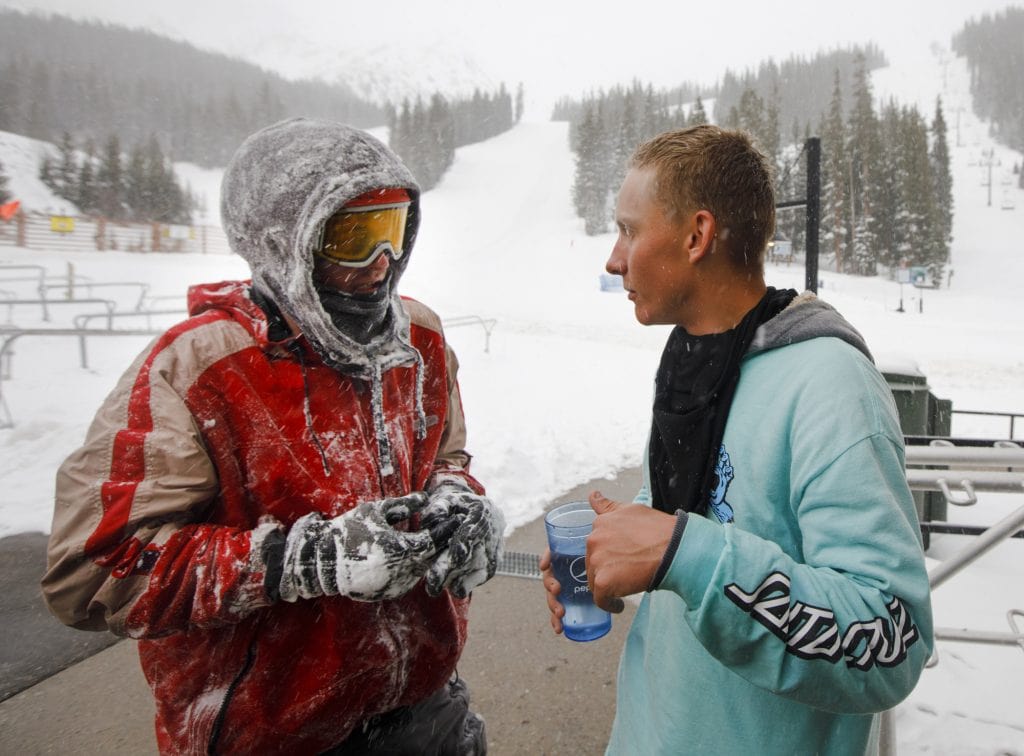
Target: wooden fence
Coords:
[(82, 234)]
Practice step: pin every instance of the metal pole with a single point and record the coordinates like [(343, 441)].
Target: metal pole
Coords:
[(964, 635), (983, 543), (887, 733), (813, 212)]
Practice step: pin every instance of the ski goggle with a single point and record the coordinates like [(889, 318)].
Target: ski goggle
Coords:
[(355, 237)]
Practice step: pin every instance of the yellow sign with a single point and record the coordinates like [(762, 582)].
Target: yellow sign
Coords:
[(62, 224)]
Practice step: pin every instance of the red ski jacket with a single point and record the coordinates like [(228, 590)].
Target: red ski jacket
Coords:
[(213, 438)]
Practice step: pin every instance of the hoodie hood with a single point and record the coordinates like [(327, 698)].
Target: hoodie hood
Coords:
[(806, 317), (279, 189)]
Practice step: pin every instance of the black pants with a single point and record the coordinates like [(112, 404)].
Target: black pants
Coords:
[(440, 725)]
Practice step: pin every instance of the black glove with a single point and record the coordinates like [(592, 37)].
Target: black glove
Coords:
[(474, 548), (358, 554)]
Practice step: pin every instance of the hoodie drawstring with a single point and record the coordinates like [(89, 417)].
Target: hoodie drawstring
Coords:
[(387, 466), (377, 403), (308, 412)]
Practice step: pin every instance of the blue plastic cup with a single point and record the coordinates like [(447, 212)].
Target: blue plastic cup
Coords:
[(568, 527)]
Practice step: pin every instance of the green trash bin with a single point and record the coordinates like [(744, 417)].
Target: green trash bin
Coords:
[(921, 414)]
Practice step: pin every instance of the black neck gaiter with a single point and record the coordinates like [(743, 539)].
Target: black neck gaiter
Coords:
[(361, 317), (693, 391)]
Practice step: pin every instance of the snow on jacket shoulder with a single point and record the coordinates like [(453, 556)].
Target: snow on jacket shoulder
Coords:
[(215, 436)]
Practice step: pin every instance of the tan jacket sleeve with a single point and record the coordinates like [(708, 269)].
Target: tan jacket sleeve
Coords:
[(142, 476), (452, 455)]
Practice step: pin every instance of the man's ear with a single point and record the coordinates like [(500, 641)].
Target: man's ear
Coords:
[(703, 230)]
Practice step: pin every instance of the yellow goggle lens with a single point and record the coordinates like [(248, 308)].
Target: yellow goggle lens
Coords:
[(357, 237)]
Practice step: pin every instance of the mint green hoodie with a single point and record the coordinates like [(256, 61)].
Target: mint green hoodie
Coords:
[(799, 607)]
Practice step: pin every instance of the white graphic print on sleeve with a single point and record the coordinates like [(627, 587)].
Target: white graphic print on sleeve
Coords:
[(812, 632)]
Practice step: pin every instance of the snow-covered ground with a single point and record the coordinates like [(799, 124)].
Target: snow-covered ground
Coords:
[(562, 395)]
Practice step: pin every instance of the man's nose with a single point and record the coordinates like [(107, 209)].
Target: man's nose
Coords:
[(616, 264), (381, 264)]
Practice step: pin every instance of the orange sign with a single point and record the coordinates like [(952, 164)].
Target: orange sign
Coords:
[(8, 209)]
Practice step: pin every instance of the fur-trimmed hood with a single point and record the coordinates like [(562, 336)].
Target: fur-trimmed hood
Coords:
[(279, 189)]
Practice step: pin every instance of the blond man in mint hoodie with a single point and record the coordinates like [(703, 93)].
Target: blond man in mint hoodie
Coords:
[(775, 541)]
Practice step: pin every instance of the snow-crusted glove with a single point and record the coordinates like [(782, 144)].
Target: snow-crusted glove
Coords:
[(358, 554), (474, 548)]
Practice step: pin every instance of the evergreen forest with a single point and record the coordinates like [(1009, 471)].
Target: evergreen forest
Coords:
[(886, 197), (125, 103), (94, 80), (103, 183), (426, 134), (994, 48)]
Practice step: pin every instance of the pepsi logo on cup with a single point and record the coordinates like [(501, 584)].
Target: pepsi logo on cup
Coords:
[(578, 569)]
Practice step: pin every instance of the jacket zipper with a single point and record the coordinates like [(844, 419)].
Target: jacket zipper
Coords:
[(218, 724)]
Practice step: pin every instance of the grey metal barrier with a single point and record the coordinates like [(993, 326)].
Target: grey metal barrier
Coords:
[(978, 465), (465, 320)]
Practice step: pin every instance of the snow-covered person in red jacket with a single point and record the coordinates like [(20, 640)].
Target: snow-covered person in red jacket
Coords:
[(275, 499)]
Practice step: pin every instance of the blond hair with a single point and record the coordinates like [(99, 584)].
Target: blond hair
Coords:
[(719, 170)]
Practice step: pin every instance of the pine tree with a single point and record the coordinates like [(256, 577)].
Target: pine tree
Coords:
[(418, 160), (864, 154), (65, 174), (46, 171), (505, 111), (732, 119), (110, 181), (771, 139), (627, 138), (136, 184), (520, 102), (918, 199), (40, 110), (697, 115), (162, 198), (267, 108), (758, 120), (942, 179), (750, 116), (439, 142), (792, 184), (444, 126), (399, 136), (10, 98), (590, 188), (834, 202), (650, 116), (5, 195), (887, 208), (86, 193)]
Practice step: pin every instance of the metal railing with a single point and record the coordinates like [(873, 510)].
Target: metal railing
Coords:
[(975, 465), (82, 331), (1011, 416), (78, 282), (464, 320), (47, 303), (82, 321), (9, 336)]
